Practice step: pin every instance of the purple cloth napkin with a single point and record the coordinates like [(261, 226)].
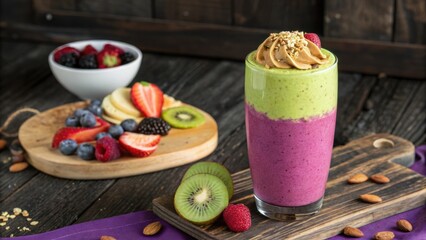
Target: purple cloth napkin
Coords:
[(416, 216), (129, 226), (123, 227)]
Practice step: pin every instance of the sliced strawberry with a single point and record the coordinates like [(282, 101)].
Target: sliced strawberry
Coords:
[(88, 50), (110, 47), (80, 134), (58, 53), (148, 98), (313, 38), (139, 145)]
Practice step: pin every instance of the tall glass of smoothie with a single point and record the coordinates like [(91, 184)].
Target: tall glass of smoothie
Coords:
[(290, 106)]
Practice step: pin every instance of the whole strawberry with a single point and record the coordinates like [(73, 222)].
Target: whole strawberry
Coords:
[(65, 50), (108, 58), (114, 48), (89, 50), (237, 217), (313, 38)]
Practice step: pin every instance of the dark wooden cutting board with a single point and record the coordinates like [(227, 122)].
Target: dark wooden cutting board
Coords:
[(380, 153)]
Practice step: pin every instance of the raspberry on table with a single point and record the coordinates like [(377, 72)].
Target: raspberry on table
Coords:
[(237, 217)]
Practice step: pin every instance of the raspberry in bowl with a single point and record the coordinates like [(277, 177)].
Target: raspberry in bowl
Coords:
[(92, 69)]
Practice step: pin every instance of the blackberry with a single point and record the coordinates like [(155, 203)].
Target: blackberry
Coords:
[(126, 57), (88, 62), (153, 126), (68, 60)]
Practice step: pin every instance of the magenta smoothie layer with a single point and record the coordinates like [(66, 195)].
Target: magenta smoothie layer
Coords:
[(296, 153)]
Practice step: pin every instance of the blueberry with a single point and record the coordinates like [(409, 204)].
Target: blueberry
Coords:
[(95, 102), (79, 112), (72, 121), (115, 131), (68, 146), (88, 119), (102, 134), (86, 151), (97, 110), (129, 125)]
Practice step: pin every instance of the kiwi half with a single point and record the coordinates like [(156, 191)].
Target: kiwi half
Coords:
[(183, 117), (201, 199), (214, 169)]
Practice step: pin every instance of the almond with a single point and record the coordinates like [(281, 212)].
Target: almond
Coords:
[(358, 178), (107, 238), (17, 167), (370, 198), (379, 178), (404, 225), (352, 232), (385, 235), (152, 228), (3, 144)]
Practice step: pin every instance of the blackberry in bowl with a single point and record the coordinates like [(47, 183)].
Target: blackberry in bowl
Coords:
[(94, 68)]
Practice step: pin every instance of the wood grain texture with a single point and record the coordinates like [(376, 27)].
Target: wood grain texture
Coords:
[(179, 147), (303, 15), (372, 57), (214, 12), (410, 21), (129, 8), (342, 207), (362, 19)]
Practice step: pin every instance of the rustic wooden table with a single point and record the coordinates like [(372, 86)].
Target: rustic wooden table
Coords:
[(367, 104)]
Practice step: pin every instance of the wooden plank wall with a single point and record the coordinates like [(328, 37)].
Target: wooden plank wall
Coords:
[(383, 36)]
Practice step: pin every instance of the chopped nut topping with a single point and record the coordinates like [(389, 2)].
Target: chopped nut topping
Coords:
[(289, 49)]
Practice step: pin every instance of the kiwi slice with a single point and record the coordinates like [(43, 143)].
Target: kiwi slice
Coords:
[(201, 199), (214, 169), (183, 117)]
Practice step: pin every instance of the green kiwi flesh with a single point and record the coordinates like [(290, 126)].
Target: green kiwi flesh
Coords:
[(215, 169), (201, 199), (183, 117)]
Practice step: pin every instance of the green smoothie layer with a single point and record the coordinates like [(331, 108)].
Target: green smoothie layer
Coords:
[(301, 94)]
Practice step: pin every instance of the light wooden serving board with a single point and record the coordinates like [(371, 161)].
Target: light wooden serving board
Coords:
[(179, 147), (381, 153)]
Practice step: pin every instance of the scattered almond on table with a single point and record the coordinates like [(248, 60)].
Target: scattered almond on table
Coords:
[(404, 225), (3, 144), (385, 235), (370, 198), (17, 167), (379, 178), (152, 228), (352, 232), (358, 178)]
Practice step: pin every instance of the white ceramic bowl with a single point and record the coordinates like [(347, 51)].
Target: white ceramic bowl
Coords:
[(96, 83)]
